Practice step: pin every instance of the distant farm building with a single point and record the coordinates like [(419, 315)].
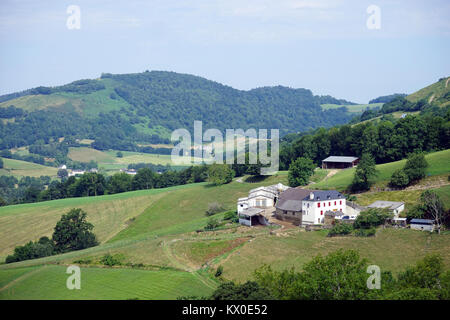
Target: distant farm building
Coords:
[(422, 224), (338, 162), (392, 206)]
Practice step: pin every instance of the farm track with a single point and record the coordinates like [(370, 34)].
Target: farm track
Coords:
[(21, 278)]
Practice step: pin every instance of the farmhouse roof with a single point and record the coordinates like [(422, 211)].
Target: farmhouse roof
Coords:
[(252, 212), (385, 204), (321, 195), (340, 159), (291, 199)]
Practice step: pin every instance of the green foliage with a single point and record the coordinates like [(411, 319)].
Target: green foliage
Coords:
[(73, 232), (213, 208), (231, 215), (212, 224), (62, 173), (300, 171), (249, 290), (119, 154), (32, 250), (399, 179), (365, 232), (111, 260), (364, 174), (340, 275), (371, 218), (219, 271), (340, 228), (415, 167), (120, 182), (343, 275), (1, 163), (220, 174)]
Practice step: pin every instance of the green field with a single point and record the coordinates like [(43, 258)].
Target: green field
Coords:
[(109, 161), (101, 284), (157, 230), (439, 163), (433, 93), (19, 168)]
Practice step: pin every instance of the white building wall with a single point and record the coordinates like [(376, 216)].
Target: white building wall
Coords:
[(313, 214)]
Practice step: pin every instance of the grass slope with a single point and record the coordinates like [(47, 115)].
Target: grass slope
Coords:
[(438, 164), (433, 92), (19, 168), (352, 108), (102, 283)]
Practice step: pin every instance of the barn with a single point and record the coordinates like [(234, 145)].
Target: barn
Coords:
[(338, 162)]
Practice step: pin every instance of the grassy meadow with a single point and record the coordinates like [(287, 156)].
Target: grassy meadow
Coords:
[(154, 234), (19, 168), (439, 164)]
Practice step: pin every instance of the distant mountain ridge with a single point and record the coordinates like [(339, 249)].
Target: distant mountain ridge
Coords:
[(120, 109)]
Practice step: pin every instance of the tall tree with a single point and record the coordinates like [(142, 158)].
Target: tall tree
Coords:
[(300, 171), (364, 173)]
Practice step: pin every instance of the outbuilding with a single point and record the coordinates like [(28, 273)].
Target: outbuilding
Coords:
[(422, 224), (339, 162), (252, 216)]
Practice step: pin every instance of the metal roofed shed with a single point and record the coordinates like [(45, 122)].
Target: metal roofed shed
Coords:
[(422, 224), (339, 162), (252, 216)]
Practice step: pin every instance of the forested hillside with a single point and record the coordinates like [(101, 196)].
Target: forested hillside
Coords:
[(118, 111)]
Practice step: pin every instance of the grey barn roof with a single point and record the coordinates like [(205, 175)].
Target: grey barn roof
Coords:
[(340, 159), (252, 212), (421, 221), (290, 205), (321, 195)]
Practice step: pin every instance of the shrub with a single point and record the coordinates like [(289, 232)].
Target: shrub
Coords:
[(111, 260), (340, 228), (371, 218), (415, 167), (231, 215), (399, 179), (212, 224), (214, 208), (365, 232), (219, 271)]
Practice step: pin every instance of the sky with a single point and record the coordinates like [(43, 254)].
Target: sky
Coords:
[(336, 47)]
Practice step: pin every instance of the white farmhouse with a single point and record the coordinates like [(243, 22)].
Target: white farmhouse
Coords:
[(318, 202)]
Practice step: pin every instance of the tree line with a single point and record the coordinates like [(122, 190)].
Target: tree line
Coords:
[(385, 141)]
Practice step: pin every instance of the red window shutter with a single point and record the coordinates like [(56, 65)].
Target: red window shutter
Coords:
[(329, 204), (335, 203), (318, 204), (321, 212), (340, 202)]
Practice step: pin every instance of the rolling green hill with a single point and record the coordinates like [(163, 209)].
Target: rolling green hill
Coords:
[(438, 92), (154, 234), (118, 111)]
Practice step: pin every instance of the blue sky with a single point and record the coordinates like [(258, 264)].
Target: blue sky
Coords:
[(322, 45)]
